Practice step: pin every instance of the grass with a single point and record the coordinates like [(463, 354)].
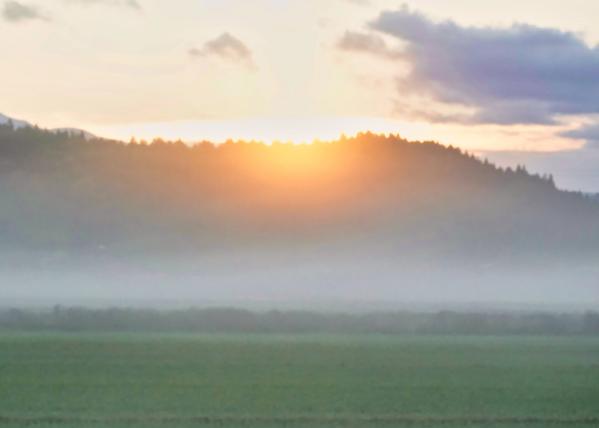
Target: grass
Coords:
[(140, 380)]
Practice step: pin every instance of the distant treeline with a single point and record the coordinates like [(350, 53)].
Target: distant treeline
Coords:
[(224, 320), (65, 195)]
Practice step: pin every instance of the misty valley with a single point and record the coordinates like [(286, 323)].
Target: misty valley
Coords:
[(299, 214)]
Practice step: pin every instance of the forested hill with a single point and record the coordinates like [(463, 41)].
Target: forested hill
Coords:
[(70, 195)]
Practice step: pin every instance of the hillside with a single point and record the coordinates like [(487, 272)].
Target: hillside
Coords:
[(68, 200)]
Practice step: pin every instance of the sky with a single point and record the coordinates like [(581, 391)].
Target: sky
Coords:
[(514, 81)]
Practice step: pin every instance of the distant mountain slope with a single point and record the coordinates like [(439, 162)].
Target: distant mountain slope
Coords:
[(76, 132), (6, 120)]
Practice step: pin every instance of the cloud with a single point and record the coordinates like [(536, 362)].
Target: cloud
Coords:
[(589, 133), (14, 11), (369, 43), (520, 74), (405, 110), (132, 4), (227, 47)]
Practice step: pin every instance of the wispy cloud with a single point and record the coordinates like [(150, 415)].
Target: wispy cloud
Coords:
[(14, 11), (225, 46), (588, 133), (519, 74), (368, 43), (131, 4)]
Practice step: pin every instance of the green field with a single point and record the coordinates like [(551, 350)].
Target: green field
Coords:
[(62, 380)]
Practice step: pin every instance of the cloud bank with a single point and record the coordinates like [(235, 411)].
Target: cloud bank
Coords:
[(520, 74)]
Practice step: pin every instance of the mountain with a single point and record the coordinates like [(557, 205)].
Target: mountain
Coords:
[(75, 132), (371, 216), (5, 120)]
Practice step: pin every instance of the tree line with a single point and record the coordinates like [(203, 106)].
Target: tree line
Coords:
[(231, 320)]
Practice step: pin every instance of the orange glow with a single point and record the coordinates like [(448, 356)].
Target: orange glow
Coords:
[(296, 161)]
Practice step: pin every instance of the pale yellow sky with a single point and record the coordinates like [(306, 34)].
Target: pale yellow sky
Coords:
[(120, 71)]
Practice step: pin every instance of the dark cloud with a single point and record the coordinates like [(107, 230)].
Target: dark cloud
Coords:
[(369, 43), (14, 11), (226, 47), (519, 74), (132, 4), (589, 133)]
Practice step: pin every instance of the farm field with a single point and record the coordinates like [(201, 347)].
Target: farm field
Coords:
[(154, 380)]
